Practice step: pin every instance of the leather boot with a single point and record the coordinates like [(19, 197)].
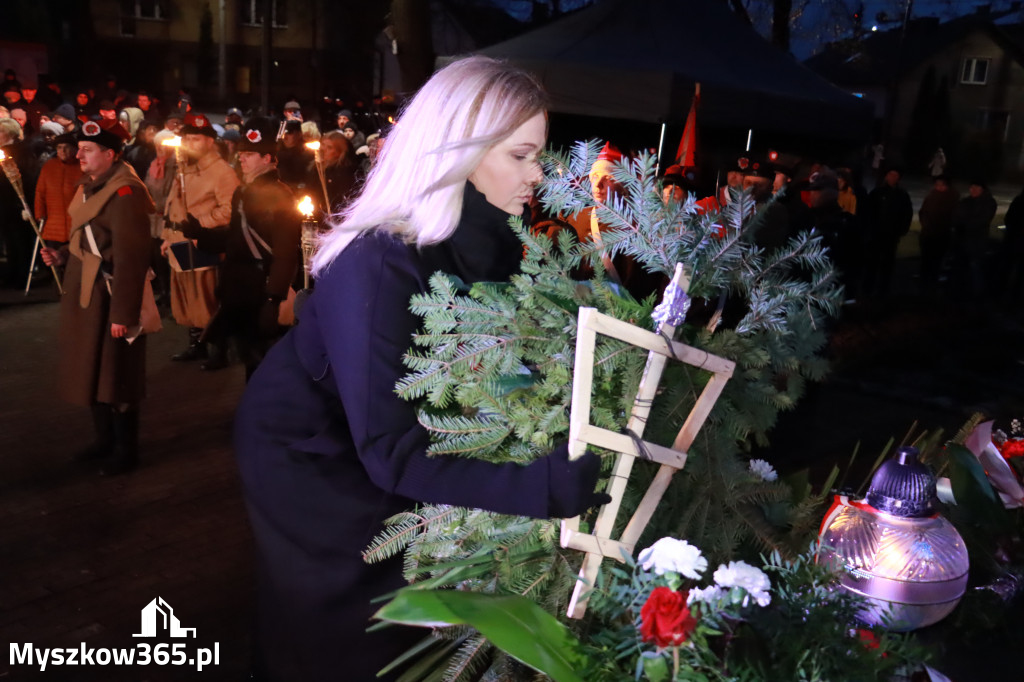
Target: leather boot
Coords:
[(218, 358), (196, 349), (126, 444), (103, 424)]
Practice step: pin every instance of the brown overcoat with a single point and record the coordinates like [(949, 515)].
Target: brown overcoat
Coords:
[(93, 366)]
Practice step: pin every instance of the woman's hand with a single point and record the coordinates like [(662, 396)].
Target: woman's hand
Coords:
[(164, 245), (118, 330)]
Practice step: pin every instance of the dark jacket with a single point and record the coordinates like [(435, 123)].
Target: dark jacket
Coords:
[(327, 450), (972, 221), (270, 210), (890, 212), (936, 213)]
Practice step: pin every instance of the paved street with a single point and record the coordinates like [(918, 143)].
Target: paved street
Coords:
[(81, 555)]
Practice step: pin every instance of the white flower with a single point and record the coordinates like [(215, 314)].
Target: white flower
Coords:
[(677, 556), (708, 595), (743, 575), (763, 470)]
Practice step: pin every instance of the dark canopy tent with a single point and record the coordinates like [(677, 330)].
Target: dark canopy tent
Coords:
[(639, 60)]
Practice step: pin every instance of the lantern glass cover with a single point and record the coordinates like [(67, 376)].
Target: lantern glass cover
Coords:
[(896, 550)]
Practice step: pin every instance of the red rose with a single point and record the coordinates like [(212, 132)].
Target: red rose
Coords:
[(664, 619), (869, 640)]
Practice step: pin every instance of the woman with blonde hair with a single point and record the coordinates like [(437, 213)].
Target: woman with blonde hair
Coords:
[(326, 448)]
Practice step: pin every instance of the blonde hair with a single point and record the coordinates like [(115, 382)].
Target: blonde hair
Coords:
[(11, 128), (416, 185)]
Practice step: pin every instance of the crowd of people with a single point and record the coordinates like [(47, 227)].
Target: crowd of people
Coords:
[(38, 128), (149, 208), (143, 203)]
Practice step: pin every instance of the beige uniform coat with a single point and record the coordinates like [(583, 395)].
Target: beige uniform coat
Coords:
[(209, 184), (93, 366)]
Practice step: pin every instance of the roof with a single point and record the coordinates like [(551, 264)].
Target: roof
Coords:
[(640, 60), (871, 61)]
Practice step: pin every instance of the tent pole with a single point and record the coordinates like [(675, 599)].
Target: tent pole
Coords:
[(661, 146), (750, 135)]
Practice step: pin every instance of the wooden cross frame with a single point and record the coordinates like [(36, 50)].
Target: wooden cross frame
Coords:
[(661, 347)]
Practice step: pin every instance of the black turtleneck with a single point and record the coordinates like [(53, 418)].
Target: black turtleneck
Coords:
[(483, 249)]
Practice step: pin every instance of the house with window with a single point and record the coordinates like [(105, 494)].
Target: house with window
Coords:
[(956, 84), (165, 45)]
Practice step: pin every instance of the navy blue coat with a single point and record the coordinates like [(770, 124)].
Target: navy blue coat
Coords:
[(327, 451)]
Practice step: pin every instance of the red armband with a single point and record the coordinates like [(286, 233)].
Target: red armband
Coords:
[(124, 191)]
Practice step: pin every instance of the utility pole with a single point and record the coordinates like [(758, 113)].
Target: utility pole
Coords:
[(222, 55), (267, 7)]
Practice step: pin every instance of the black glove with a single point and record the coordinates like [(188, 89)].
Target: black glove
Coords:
[(190, 228), (571, 484), (268, 317)]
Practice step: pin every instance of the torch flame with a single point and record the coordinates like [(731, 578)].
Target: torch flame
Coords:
[(173, 142), (314, 145), (2, 155), (306, 207)]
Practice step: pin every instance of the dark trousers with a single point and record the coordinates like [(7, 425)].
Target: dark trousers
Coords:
[(239, 322), (933, 251)]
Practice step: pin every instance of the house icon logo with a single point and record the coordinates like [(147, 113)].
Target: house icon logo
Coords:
[(158, 616)]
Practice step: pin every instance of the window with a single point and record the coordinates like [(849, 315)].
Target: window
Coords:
[(131, 10), (975, 71), (252, 12)]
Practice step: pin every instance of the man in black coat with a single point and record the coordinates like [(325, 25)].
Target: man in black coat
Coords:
[(971, 224), (890, 212), (261, 247)]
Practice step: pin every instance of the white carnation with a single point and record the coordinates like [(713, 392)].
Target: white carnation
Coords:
[(677, 556), (709, 595), (743, 575), (763, 470)]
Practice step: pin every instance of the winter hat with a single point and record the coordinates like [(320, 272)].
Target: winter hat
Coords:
[(606, 160), (65, 110), (346, 113), (66, 138), (52, 128), (292, 104), (197, 124), (260, 136), (107, 133)]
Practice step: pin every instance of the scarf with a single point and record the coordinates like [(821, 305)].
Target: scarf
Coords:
[(483, 249)]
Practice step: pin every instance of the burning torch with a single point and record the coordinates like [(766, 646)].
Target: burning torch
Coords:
[(14, 175), (179, 161), (309, 231), (319, 159)]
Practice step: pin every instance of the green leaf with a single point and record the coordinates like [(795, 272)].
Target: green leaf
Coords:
[(655, 667), (512, 623)]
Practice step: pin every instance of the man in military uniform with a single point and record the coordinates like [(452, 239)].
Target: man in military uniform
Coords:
[(102, 358), (209, 184), (261, 247)]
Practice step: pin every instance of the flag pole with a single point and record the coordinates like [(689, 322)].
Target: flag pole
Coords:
[(661, 146)]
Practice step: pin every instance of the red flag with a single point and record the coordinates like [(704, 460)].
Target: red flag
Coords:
[(687, 154)]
